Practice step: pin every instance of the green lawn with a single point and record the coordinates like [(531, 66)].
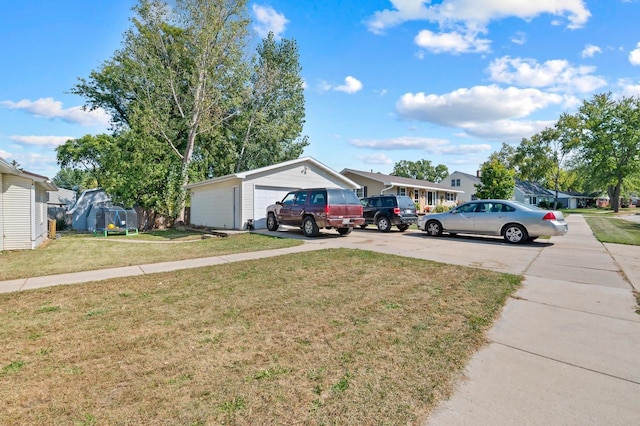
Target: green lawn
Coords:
[(611, 229)]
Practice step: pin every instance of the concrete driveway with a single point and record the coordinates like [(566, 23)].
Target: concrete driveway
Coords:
[(481, 252)]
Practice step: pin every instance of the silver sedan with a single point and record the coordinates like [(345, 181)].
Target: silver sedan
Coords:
[(516, 222)]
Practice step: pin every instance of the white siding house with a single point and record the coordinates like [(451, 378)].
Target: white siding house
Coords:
[(23, 208), (231, 201)]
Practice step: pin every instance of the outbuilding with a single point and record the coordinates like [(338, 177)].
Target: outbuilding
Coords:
[(238, 200)]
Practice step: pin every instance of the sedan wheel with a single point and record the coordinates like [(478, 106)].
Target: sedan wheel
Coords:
[(515, 234), (433, 228)]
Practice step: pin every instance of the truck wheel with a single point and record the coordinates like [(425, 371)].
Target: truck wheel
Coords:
[(272, 223), (309, 227), (344, 231)]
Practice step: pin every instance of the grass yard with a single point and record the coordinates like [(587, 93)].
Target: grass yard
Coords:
[(609, 229), (328, 337), (83, 252)]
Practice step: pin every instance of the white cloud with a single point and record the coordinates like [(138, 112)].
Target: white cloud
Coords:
[(474, 12), (634, 55), (406, 142), (453, 42), (51, 109), (519, 38), (351, 85), (429, 145), (479, 104), (506, 130), (558, 74), (590, 50), (52, 141), (268, 20), (374, 159)]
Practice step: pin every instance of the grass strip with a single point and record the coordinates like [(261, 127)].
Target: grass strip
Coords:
[(614, 230)]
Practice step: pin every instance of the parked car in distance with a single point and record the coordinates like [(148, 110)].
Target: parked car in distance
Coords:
[(386, 211), (316, 208), (515, 221)]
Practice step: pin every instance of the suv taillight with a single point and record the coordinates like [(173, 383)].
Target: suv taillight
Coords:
[(327, 209), (549, 216), (396, 210)]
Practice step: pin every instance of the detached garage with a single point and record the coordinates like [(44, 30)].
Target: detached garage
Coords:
[(229, 202)]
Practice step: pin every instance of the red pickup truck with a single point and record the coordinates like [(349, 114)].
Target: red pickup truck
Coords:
[(316, 208)]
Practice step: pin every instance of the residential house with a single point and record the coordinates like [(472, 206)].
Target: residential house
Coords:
[(531, 193), (425, 194), (23, 208), (464, 182), (240, 200), (59, 202)]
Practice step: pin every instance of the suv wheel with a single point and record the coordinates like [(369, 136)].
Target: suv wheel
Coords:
[(344, 231), (383, 224), (272, 223), (309, 227)]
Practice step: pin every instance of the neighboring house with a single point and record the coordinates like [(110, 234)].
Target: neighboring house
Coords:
[(59, 202), (240, 200), (464, 182), (82, 216), (573, 200), (23, 208), (425, 194), (531, 193)]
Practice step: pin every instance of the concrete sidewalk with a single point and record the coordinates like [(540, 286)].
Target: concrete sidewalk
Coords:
[(566, 349)]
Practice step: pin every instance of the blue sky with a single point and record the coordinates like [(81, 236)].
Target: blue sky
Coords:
[(447, 81)]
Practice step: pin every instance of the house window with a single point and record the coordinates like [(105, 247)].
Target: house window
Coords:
[(361, 192), (402, 191), (451, 196), (455, 182), (430, 198), (534, 200), (416, 196)]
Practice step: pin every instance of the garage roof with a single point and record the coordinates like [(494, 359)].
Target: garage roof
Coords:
[(273, 168)]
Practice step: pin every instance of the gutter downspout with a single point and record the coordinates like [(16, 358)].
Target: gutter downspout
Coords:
[(386, 189)]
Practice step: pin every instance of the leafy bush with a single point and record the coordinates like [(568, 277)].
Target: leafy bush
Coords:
[(441, 208)]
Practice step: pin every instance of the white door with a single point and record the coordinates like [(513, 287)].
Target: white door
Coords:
[(264, 196)]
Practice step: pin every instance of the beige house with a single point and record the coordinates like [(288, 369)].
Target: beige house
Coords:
[(23, 208), (463, 182), (425, 194)]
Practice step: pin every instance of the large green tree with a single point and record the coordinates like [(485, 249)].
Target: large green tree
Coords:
[(183, 78), (177, 75), (608, 131), (496, 181), (421, 170)]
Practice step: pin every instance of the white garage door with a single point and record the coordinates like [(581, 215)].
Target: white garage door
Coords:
[(263, 196), (214, 207)]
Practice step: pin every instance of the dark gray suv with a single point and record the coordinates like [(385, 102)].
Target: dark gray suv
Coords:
[(316, 208), (386, 211)]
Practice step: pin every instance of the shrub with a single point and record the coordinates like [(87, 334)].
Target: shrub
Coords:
[(441, 208)]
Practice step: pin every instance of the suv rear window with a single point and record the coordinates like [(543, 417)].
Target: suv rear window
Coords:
[(405, 202), (342, 196)]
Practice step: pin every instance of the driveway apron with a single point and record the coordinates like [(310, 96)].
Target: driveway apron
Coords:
[(566, 349)]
